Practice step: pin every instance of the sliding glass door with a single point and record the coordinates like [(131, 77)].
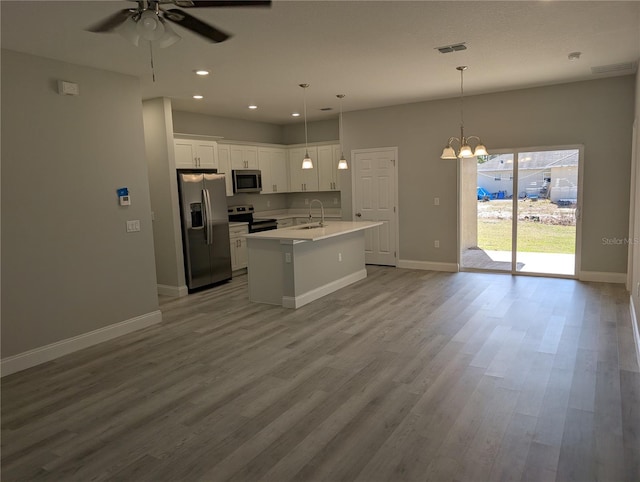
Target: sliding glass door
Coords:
[(525, 212)]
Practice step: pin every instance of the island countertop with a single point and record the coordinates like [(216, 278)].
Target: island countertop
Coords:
[(302, 233)]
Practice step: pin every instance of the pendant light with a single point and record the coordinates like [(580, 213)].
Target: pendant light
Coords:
[(307, 163), (342, 163), (465, 149)]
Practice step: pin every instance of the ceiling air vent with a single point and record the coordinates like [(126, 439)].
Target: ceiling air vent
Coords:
[(628, 67), (326, 108), (446, 49)]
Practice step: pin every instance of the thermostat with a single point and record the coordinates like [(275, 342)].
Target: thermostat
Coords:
[(123, 196)]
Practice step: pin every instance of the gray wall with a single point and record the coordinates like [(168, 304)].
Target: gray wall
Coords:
[(319, 131), (634, 247), (163, 186), (68, 266), (231, 129), (597, 114)]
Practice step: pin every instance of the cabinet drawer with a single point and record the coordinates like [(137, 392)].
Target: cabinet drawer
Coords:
[(235, 231)]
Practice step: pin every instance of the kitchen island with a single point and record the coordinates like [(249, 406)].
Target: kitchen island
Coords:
[(299, 264)]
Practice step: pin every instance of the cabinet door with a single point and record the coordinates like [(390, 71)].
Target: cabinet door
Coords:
[(241, 253), (244, 157), (206, 154), (303, 180), (224, 167), (326, 168), (250, 154), (279, 170), (184, 153), (265, 159)]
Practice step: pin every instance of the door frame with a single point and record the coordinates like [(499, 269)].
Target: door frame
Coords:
[(578, 215), (394, 151)]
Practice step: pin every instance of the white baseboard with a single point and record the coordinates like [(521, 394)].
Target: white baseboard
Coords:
[(428, 265), (174, 291), (636, 328), (46, 353), (602, 277), (306, 298)]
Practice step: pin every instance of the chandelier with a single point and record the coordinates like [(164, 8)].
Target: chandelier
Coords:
[(465, 148)]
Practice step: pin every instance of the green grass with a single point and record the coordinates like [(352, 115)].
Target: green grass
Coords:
[(495, 235)]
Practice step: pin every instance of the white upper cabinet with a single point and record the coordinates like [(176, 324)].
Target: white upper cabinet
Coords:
[(224, 167), (272, 163), (191, 153), (244, 157), (303, 180), (328, 178)]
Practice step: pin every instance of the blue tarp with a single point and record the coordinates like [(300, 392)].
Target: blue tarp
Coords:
[(483, 193)]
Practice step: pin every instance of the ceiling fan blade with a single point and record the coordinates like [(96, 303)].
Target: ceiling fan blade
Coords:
[(222, 3), (198, 26), (111, 22)]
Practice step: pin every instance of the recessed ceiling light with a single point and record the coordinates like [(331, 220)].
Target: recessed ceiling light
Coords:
[(198, 96), (295, 114), (201, 72), (253, 106)]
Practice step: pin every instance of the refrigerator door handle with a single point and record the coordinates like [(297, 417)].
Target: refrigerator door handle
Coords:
[(209, 217), (205, 209)]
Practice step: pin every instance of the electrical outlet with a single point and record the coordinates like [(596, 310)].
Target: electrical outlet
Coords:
[(436, 201), (335, 200), (436, 244), (306, 200), (638, 289), (340, 257), (268, 204), (287, 257)]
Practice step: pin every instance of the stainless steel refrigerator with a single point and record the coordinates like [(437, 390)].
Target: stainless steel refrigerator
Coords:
[(205, 227)]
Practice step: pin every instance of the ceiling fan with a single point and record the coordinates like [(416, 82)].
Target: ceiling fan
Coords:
[(149, 20)]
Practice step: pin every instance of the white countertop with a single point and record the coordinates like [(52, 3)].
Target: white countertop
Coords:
[(331, 229)]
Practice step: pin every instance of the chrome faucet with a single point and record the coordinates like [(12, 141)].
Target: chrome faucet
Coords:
[(321, 211)]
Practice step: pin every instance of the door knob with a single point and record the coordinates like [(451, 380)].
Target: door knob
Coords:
[(359, 215)]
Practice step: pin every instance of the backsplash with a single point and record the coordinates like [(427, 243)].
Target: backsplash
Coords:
[(293, 200)]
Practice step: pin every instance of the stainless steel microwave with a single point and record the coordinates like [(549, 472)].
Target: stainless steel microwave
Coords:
[(245, 180)]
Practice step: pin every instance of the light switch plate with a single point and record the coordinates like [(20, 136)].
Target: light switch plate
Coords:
[(133, 226)]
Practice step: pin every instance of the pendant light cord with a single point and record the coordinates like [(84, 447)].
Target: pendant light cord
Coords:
[(306, 141), (461, 99), (340, 129)]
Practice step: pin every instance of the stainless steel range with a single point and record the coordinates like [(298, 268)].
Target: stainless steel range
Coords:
[(244, 214)]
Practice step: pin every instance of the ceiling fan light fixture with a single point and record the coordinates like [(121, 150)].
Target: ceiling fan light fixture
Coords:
[(169, 37), (150, 26), (128, 30)]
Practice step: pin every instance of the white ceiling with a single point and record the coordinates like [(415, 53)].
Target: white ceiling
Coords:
[(378, 53)]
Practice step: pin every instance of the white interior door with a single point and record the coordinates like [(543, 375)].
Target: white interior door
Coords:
[(375, 199)]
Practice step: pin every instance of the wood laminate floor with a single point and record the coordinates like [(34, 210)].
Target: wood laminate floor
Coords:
[(405, 376)]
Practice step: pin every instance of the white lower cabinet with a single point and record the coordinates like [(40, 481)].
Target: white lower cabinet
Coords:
[(238, 245)]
